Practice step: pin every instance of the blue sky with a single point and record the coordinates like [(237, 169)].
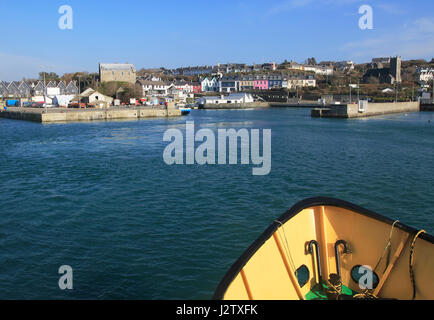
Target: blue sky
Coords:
[(170, 34)]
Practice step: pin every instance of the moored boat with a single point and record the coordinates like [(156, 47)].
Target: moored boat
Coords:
[(329, 249)]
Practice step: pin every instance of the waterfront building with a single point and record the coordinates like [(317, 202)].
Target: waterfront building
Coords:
[(3, 90), (260, 83), (301, 82), (62, 87), (229, 84), (232, 98), (210, 85), (196, 87), (25, 89), (117, 72), (247, 83), (91, 96), (13, 89), (184, 86), (71, 89), (158, 88), (275, 82), (39, 89)]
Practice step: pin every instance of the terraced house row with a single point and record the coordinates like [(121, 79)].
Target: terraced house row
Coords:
[(25, 89), (229, 84)]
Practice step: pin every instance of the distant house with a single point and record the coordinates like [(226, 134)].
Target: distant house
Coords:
[(117, 72), (3, 90), (25, 89), (196, 87), (275, 82), (300, 82), (62, 87), (345, 66), (425, 74), (158, 88), (247, 83), (184, 86), (260, 83), (71, 88), (229, 84), (13, 89), (91, 96), (210, 85), (269, 66), (39, 89)]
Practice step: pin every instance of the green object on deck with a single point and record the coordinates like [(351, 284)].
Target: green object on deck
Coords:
[(319, 292)]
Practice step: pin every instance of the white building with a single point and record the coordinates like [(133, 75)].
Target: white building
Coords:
[(232, 98), (325, 71), (210, 85), (299, 82), (425, 74), (345, 65), (149, 87), (91, 96)]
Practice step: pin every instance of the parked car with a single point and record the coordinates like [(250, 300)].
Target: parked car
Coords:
[(35, 105)]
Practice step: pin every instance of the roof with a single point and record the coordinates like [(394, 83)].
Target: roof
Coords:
[(117, 66)]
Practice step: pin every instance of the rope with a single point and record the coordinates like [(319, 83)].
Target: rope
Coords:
[(368, 294), (365, 295), (286, 245), (413, 282), (387, 248), (332, 289)]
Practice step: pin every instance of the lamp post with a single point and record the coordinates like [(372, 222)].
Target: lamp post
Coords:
[(45, 85)]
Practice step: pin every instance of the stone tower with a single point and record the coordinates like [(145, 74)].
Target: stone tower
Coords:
[(395, 69)]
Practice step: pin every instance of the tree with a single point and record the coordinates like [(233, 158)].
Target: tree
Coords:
[(130, 91), (48, 76), (311, 61)]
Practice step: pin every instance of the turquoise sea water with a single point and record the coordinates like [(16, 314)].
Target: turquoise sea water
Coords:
[(98, 196)]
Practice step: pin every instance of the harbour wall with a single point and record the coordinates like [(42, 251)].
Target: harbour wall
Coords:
[(372, 109), (235, 105), (71, 115)]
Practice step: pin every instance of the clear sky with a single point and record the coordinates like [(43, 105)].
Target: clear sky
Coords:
[(169, 34)]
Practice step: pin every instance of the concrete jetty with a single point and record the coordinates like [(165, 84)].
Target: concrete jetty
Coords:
[(47, 115), (365, 110), (226, 106)]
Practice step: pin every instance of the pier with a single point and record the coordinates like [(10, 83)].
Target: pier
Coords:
[(47, 115), (367, 110), (427, 107)]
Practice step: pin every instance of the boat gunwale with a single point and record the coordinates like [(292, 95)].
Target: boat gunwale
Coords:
[(288, 215)]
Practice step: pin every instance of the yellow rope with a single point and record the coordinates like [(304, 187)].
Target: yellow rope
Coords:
[(413, 282)]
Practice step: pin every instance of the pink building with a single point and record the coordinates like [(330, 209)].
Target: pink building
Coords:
[(260, 84)]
